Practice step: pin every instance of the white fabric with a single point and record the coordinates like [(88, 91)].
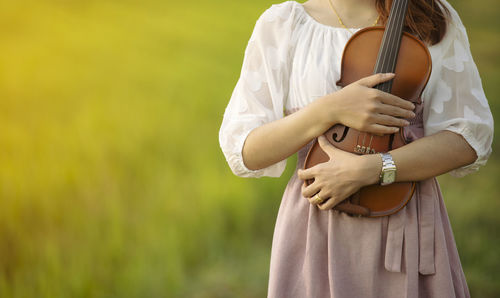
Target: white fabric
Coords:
[(291, 60)]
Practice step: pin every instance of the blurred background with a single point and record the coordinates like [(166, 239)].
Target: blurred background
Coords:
[(112, 183)]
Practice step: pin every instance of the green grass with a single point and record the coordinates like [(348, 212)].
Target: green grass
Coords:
[(111, 180)]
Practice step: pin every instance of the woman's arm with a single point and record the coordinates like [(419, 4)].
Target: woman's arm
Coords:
[(358, 105), (346, 173), (432, 156)]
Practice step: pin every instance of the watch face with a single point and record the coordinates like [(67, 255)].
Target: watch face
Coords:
[(389, 177)]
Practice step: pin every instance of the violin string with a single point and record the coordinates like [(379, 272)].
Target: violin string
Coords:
[(401, 19), (357, 139), (397, 37), (393, 40), (389, 53), (387, 42), (364, 139), (370, 144), (391, 45), (395, 22), (393, 37)]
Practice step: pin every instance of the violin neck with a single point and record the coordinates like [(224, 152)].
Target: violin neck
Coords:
[(389, 48)]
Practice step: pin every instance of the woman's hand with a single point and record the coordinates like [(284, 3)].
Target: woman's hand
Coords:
[(364, 108), (344, 174)]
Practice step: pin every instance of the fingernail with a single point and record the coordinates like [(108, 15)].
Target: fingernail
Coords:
[(406, 123), (412, 115), (389, 74), (412, 106), (395, 129)]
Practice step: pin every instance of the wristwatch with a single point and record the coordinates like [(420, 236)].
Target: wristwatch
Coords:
[(388, 173)]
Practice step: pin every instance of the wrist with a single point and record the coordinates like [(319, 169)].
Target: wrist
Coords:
[(326, 112), (372, 166)]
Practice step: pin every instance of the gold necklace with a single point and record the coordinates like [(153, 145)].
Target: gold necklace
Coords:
[(342, 23)]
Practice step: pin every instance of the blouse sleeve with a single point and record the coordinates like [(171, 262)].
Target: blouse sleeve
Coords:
[(260, 93), (454, 100)]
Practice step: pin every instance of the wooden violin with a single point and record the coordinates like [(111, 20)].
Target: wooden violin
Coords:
[(379, 49)]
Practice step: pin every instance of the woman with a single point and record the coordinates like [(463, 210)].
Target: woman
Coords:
[(287, 96)]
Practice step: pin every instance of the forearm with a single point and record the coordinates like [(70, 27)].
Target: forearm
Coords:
[(427, 157), (277, 140)]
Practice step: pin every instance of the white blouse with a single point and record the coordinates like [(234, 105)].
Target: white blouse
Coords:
[(291, 60)]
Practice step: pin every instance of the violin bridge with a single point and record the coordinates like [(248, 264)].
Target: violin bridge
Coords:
[(364, 150)]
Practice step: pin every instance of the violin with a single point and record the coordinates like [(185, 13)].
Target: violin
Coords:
[(378, 49)]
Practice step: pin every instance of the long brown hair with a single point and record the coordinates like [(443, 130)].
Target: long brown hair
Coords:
[(425, 18)]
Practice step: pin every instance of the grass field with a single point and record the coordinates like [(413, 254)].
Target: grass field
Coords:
[(111, 180)]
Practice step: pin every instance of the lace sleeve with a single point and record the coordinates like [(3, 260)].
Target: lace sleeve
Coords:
[(261, 90), (454, 100)]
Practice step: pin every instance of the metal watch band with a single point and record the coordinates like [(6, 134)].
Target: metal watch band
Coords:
[(388, 173)]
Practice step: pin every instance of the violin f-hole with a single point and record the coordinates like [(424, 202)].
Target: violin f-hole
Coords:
[(344, 134)]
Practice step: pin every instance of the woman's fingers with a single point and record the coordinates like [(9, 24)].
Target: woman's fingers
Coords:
[(391, 105), (308, 191), (327, 205), (385, 97), (314, 194), (305, 174), (394, 111), (317, 200), (393, 100), (378, 129), (390, 114), (387, 120), (373, 110), (375, 79)]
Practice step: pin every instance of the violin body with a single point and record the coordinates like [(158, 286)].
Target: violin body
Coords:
[(361, 59)]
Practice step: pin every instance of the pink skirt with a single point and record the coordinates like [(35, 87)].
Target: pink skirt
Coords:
[(318, 254)]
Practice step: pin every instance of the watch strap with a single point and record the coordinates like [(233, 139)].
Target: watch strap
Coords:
[(388, 166)]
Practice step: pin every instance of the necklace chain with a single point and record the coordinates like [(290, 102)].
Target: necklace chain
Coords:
[(340, 20)]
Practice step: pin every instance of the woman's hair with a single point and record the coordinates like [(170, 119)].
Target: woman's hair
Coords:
[(425, 18)]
